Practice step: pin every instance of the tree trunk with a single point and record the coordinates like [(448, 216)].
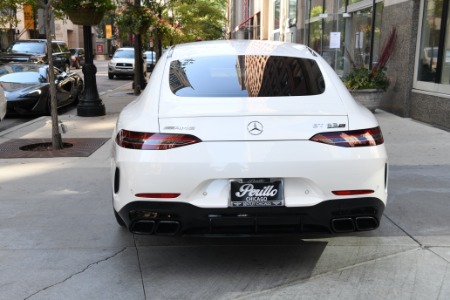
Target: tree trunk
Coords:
[(56, 135), (139, 79)]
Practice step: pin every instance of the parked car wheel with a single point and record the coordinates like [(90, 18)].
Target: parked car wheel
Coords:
[(110, 76)]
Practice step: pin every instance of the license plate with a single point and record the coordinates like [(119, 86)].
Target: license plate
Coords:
[(256, 192)]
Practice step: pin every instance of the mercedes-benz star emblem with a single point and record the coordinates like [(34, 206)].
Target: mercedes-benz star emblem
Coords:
[(255, 128)]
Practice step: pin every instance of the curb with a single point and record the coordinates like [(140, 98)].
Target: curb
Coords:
[(17, 127)]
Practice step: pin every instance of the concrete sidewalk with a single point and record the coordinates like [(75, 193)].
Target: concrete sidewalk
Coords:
[(59, 238)]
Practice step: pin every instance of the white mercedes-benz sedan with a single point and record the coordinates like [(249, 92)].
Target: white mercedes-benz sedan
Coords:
[(247, 137)]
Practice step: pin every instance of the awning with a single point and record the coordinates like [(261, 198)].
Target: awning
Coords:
[(242, 23)]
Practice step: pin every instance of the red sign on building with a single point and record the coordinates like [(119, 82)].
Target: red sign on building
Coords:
[(99, 48)]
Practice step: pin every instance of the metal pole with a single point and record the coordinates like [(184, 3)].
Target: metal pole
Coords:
[(372, 34), (159, 35), (90, 103), (139, 79)]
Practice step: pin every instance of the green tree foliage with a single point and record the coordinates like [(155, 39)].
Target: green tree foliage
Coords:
[(189, 20), (203, 19), (316, 11), (8, 10), (135, 19)]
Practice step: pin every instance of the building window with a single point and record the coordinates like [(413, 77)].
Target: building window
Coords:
[(430, 40), (361, 38), (276, 19), (358, 30), (432, 64), (292, 14), (276, 25), (332, 50), (315, 25)]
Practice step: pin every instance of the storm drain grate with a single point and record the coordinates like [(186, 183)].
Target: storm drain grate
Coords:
[(80, 147)]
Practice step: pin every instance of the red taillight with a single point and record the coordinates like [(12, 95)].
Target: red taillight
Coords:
[(158, 195), (353, 138), (153, 141), (352, 192)]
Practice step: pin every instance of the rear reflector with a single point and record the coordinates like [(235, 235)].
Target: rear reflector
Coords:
[(352, 192), (353, 138), (153, 141), (158, 195)]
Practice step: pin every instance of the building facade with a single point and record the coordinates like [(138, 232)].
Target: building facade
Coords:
[(349, 32), (28, 27)]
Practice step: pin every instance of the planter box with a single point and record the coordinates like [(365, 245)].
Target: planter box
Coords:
[(369, 98)]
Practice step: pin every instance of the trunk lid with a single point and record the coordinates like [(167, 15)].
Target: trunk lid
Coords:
[(250, 119)]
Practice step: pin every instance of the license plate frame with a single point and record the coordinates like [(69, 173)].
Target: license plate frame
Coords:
[(256, 192)]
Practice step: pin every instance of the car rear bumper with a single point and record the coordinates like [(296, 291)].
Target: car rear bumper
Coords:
[(328, 217), (202, 173)]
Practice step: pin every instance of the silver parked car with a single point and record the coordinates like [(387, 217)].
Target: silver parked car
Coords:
[(2, 103), (122, 63)]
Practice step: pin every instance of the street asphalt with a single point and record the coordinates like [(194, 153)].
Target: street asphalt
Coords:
[(59, 238)]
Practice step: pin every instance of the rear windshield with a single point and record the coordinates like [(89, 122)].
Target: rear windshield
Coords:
[(245, 76)]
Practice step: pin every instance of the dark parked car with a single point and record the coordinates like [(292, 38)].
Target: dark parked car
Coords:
[(77, 58), (36, 51), (26, 88)]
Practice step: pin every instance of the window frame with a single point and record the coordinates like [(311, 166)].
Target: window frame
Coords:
[(276, 31), (424, 86)]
